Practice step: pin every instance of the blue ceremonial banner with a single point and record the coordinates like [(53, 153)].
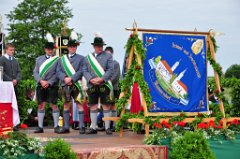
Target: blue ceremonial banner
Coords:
[(175, 69)]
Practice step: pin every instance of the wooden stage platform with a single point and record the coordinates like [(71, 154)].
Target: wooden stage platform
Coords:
[(99, 146)]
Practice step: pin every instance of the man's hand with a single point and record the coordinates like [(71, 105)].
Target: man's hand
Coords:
[(44, 84), (96, 81), (14, 82), (93, 81), (99, 80), (68, 81)]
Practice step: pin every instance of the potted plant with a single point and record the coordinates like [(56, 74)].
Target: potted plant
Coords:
[(58, 148), (191, 145)]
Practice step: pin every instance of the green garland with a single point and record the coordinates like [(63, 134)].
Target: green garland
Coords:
[(216, 66), (133, 74)]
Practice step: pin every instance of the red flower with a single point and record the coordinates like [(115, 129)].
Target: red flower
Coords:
[(211, 121), (221, 122), (235, 122), (211, 124), (199, 115), (54, 46), (219, 126), (182, 124), (137, 67), (23, 126), (157, 125), (181, 114), (202, 126), (174, 123), (166, 124), (217, 91), (131, 35)]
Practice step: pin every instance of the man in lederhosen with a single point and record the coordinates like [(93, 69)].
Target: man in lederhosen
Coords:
[(98, 72), (70, 75), (115, 81), (45, 75)]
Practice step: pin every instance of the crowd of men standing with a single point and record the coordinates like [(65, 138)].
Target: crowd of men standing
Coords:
[(98, 69)]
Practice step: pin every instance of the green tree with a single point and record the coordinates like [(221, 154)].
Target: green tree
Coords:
[(29, 23), (233, 71)]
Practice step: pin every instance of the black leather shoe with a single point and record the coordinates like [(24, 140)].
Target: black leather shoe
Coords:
[(63, 131), (39, 130), (109, 131), (82, 130), (56, 129), (75, 126), (113, 129), (15, 128), (100, 128), (91, 131)]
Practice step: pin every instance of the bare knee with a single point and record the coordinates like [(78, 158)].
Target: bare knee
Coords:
[(106, 107), (79, 106), (66, 106), (41, 106), (94, 107), (54, 107)]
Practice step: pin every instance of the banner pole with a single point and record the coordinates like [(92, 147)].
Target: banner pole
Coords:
[(168, 31)]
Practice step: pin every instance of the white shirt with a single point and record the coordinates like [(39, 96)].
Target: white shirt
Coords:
[(7, 56), (95, 54), (71, 55)]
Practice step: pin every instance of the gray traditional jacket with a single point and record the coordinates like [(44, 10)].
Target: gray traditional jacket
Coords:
[(77, 62), (116, 75), (106, 61), (50, 75)]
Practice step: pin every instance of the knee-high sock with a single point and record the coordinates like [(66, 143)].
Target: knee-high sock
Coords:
[(81, 119), (93, 116), (114, 114), (55, 114), (66, 117), (41, 114), (107, 122)]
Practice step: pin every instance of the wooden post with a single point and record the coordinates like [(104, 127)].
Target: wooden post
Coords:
[(57, 49), (216, 77), (60, 46), (147, 130), (121, 132), (130, 57)]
